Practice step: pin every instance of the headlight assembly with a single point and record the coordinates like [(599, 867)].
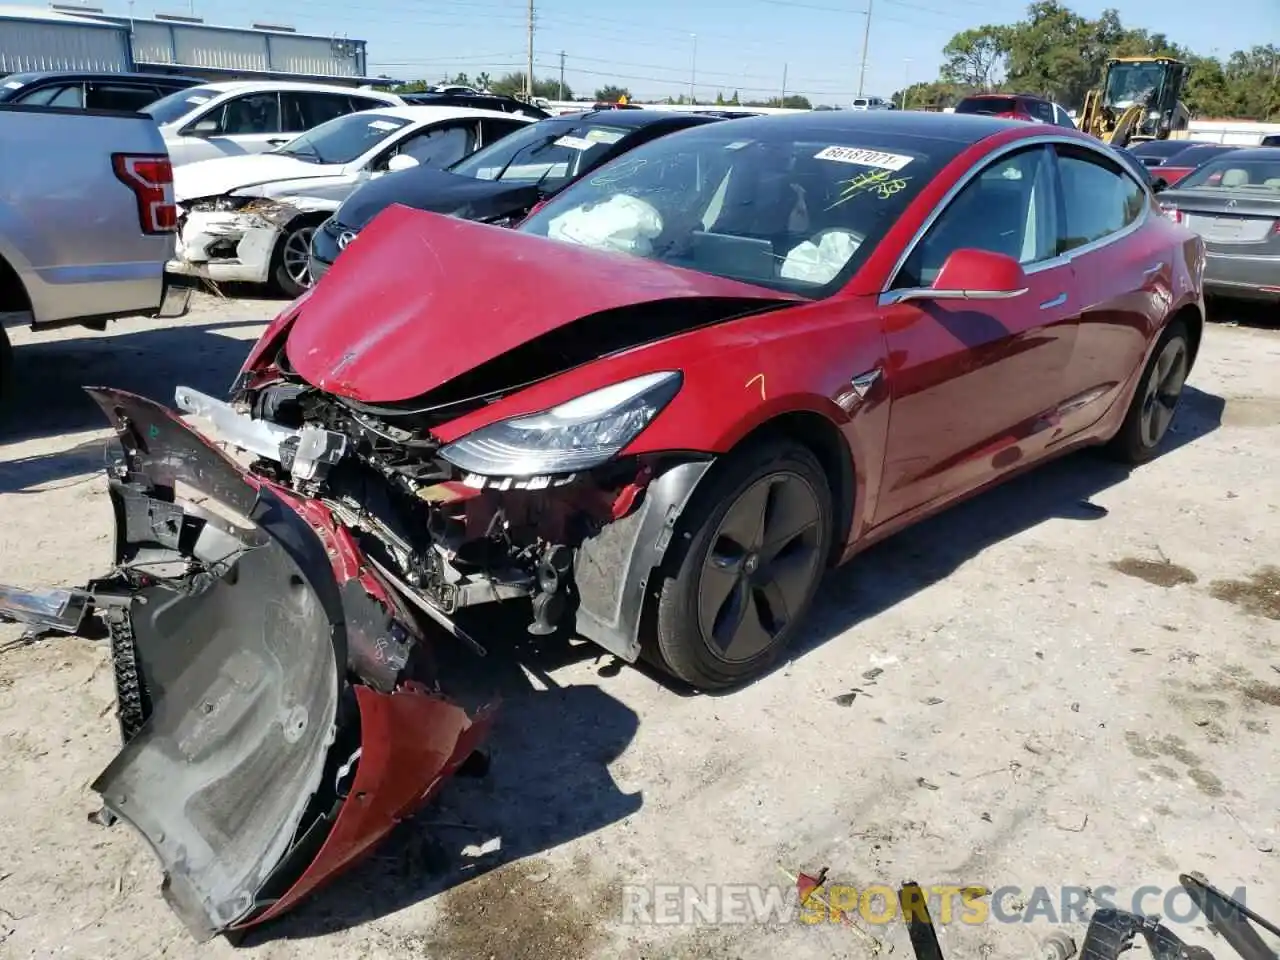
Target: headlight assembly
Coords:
[(577, 435)]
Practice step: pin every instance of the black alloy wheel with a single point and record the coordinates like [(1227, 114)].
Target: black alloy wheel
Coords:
[(1156, 400), (757, 539)]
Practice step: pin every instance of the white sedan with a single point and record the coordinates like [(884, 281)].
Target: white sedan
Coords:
[(250, 218)]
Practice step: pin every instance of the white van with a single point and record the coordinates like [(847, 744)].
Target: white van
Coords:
[(871, 103), (251, 116)]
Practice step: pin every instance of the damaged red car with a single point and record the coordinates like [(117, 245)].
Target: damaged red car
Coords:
[(651, 416)]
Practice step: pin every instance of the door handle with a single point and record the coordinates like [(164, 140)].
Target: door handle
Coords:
[(1057, 301), (276, 141)]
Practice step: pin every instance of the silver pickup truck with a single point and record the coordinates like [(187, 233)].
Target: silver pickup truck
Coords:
[(87, 220)]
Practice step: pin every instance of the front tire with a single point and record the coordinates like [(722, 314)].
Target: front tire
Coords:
[(753, 545), (291, 261), (1156, 399)]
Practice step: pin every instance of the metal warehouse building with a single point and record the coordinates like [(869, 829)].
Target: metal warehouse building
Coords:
[(83, 38)]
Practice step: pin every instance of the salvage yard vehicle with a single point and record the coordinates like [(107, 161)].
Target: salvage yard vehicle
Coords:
[(1233, 202), (502, 183), (60, 267), (1180, 165), (89, 90), (1017, 106), (252, 116), (250, 219), (462, 97), (653, 415), (1139, 98)]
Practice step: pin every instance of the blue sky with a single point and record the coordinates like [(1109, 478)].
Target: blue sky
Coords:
[(744, 45)]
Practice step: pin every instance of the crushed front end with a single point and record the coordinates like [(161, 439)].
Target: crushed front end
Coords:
[(275, 699), (560, 543), (229, 239)]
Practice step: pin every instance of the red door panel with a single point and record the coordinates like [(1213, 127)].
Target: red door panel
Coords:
[(1123, 266), (972, 384)]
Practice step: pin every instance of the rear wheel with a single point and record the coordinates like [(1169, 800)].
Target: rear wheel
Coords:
[(753, 547), (6, 368), (291, 262), (1156, 399)]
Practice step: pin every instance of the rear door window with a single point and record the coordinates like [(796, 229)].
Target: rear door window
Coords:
[(1041, 110), (1100, 198), (439, 146), (119, 96), (365, 103), (492, 130), (302, 111)]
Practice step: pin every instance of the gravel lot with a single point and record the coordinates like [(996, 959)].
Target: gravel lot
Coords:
[(1070, 681)]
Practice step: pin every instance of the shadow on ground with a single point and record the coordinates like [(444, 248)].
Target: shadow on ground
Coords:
[(1246, 313), (49, 377), (548, 783)]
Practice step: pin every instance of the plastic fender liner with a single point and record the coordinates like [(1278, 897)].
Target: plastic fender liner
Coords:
[(611, 570)]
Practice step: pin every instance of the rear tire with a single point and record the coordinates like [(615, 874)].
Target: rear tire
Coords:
[(291, 260), (1155, 401), (750, 552), (6, 369)]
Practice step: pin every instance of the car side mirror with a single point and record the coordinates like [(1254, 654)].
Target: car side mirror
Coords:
[(401, 161), (203, 128), (971, 275)]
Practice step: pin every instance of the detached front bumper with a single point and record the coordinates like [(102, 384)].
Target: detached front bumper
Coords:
[(275, 702), (229, 246)]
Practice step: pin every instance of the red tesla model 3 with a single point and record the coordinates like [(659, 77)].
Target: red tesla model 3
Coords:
[(652, 416)]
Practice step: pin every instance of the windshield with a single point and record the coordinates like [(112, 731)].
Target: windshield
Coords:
[(1194, 156), (1232, 174), (344, 138), (1160, 149), (549, 153), (789, 211), (988, 105), (179, 103), (1130, 83)]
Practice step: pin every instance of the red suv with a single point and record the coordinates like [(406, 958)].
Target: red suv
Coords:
[(1018, 106)]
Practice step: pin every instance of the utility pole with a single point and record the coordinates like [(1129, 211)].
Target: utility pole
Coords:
[(866, 42), (906, 80), (561, 94), (693, 68), (782, 102), (528, 80)]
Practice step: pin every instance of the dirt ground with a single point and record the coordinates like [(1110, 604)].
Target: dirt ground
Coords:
[(1071, 681)]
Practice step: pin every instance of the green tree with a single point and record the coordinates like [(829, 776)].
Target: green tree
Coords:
[(976, 58), (483, 80), (512, 84), (611, 93)]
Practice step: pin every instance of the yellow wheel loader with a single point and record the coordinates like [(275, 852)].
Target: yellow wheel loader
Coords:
[(1140, 98)]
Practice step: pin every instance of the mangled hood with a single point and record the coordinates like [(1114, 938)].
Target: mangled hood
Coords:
[(423, 298), (439, 192), (222, 175)]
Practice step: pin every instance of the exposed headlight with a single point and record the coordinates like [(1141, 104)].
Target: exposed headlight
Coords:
[(578, 435), (217, 204)]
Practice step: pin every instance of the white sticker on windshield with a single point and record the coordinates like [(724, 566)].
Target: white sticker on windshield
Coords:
[(383, 125), (864, 158), (13, 85), (198, 100), (575, 143), (603, 136), (737, 145)]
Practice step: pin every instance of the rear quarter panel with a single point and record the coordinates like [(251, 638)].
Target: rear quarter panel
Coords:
[(68, 226)]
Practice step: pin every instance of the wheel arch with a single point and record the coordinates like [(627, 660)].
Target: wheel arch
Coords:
[(1192, 315), (825, 441)]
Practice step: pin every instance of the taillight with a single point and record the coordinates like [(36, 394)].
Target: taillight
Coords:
[(1172, 212), (150, 177)]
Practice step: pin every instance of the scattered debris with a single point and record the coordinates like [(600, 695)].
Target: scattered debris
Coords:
[(922, 782), (846, 699), (986, 818), (1075, 708), (1080, 829), (872, 673), (1141, 650), (931, 701)]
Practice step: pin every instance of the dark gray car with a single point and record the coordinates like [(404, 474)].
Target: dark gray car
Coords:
[(1233, 202)]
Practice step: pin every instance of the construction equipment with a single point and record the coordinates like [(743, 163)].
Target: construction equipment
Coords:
[(1139, 99)]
